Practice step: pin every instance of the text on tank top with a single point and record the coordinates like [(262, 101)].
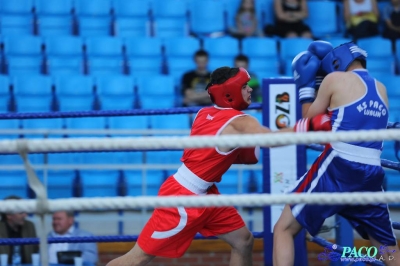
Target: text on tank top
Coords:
[(209, 163), (364, 7), (366, 113)]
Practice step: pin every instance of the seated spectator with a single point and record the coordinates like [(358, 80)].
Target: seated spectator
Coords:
[(361, 17), (63, 226), (243, 61), (391, 16), (15, 225), (289, 20), (246, 21), (194, 82)]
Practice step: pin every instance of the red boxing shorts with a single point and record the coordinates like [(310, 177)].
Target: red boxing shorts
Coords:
[(170, 231)]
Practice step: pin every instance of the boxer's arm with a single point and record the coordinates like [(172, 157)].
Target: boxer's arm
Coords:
[(323, 98), (248, 155)]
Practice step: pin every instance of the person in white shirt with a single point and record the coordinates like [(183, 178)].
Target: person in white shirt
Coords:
[(63, 226)]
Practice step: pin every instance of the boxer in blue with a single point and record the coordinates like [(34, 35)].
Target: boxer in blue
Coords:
[(355, 101)]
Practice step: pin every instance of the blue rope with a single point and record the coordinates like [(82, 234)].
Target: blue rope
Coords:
[(105, 113), (396, 225), (335, 255), (90, 239)]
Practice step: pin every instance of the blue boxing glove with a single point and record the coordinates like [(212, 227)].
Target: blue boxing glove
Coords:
[(305, 66), (320, 49)]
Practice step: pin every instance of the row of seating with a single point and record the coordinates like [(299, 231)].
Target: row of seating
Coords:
[(139, 17), (112, 183), (145, 56)]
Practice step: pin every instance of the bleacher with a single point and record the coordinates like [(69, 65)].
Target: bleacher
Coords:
[(78, 55)]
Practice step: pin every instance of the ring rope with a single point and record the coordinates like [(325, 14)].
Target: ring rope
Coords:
[(253, 200), (107, 113), (229, 141)]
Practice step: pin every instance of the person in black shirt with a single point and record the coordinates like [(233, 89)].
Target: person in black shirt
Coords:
[(194, 82)]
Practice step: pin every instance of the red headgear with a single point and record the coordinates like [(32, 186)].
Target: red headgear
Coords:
[(229, 93)]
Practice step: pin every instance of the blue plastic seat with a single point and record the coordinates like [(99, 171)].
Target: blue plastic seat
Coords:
[(229, 182), (11, 159), (99, 183), (4, 93), (322, 18), (153, 181), (129, 122), (132, 8), (156, 86), (134, 157), (380, 57), (181, 47), (143, 47), (16, 24), (23, 54), (260, 47), (289, 49), (150, 102), (116, 92), (177, 66), (391, 83), (11, 124), (64, 158), (13, 183), (217, 62), (74, 93), (86, 123), (16, 7), (54, 8), (33, 93), (92, 8), (218, 47), (42, 124), (177, 121), (264, 67), (60, 184), (105, 55), (336, 41), (164, 157), (132, 27), (55, 25), (170, 18), (145, 66), (64, 55), (94, 26), (207, 17)]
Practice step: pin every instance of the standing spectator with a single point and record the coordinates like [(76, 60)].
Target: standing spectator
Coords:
[(391, 16), (15, 225), (289, 19), (243, 61), (246, 21), (361, 17), (194, 82), (63, 226)]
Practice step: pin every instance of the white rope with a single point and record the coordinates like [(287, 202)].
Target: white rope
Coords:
[(229, 141), (254, 200)]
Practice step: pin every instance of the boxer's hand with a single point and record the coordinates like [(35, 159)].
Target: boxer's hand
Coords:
[(320, 122), (320, 49), (305, 66)]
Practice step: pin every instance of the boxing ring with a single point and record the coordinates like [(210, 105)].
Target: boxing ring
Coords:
[(280, 104)]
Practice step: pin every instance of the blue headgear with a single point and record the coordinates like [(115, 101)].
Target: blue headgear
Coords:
[(342, 56)]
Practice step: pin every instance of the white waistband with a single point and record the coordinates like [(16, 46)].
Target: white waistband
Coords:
[(190, 181), (357, 154)]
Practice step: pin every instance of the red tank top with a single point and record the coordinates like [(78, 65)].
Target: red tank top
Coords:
[(210, 164)]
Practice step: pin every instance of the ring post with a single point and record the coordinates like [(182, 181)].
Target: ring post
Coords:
[(282, 166)]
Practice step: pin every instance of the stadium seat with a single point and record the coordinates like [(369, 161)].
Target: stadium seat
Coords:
[(218, 47), (215, 63), (4, 94), (75, 93), (33, 93), (60, 184), (145, 66), (380, 57), (338, 41), (23, 55), (9, 124), (116, 92), (164, 157), (181, 46), (11, 159), (42, 124), (16, 17), (229, 182), (64, 55), (158, 86), (131, 18), (94, 18), (105, 56), (54, 17), (13, 183), (207, 17), (134, 157), (289, 49), (391, 83), (151, 178), (64, 158), (178, 121), (102, 183), (322, 23), (177, 66), (86, 123), (128, 122), (170, 18), (144, 55), (252, 181)]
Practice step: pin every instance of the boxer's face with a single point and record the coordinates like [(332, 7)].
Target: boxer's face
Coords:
[(246, 93)]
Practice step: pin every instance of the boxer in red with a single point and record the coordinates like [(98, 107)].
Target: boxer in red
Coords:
[(170, 231)]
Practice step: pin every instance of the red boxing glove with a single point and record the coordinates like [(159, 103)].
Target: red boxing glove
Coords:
[(320, 122)]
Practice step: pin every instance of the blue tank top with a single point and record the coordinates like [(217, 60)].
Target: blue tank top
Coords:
[(368, 112)]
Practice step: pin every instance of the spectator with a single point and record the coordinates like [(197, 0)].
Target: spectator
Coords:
[(391, 16), (15, 225), (361, 17), (246, 21), (194, 82), (243, 61), (63, 226), (289, 19)]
